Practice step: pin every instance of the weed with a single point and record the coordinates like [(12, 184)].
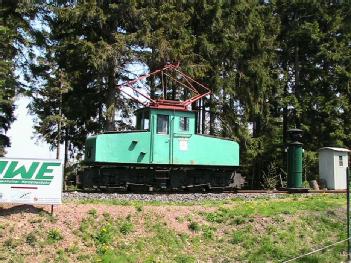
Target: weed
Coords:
[(237, 237), (31, 239), (36, 220), (194, 226), (107, 216), (74, 249), (54, 235), (61, 256), (184, 259), (184, 237), (139, 207), (208, 232), (180, 219), (126, 227), (51, 218), (11, 243), (84, 258), (93, 213), (17, 259), (239, 220), (105, 235), (114, 256), (11, 229)]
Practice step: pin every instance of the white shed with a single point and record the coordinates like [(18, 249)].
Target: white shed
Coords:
[(333, 162)]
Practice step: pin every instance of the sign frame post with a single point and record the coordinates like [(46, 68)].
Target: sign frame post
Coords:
[(348, 183)]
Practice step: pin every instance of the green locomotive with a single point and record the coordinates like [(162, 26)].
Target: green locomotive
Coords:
[(164, 152)]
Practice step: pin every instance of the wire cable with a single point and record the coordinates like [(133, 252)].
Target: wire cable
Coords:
[(315, 251)]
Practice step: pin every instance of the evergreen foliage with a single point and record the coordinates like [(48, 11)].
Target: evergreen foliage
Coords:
[(14, 27), (271, 65)]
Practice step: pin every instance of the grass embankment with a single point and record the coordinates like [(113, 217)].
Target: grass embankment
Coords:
[(261, 230)]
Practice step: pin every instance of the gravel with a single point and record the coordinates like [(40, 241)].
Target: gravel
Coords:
[(166, 197)]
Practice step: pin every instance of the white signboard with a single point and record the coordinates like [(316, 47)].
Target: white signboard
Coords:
[(183, 144), (31, 181)]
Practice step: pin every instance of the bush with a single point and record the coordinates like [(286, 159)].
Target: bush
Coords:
[(310, 165), (270, 177)]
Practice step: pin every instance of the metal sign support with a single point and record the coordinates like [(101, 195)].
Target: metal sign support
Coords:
[(348, 180)]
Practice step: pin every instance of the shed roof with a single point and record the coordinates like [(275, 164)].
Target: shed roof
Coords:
[(335, 149)]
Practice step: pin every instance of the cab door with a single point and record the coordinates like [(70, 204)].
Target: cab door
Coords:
[(161, 138), (182, 130)]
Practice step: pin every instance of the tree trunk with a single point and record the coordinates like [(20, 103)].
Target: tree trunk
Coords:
[(65, 158), (203, 116), (152, 87), (111, 100), (211, 115), (59, 130), (224, 129), (257, 126), (297, 84), (66, 150), (285, 116), (285, 108)]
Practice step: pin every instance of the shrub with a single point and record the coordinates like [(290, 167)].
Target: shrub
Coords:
[(270, 177)]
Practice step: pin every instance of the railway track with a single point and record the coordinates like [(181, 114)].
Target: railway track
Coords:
[(189, 196), (202, 190)]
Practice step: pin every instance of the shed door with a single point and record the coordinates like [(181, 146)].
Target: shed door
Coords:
[(340, 176)]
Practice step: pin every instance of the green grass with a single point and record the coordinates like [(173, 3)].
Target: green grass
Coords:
[(261, 230)]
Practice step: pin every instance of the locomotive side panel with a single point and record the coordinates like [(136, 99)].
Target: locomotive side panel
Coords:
[(130, 147), (171, 140), (204, 150)]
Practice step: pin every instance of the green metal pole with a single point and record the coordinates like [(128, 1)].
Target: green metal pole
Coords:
[(295, 165)]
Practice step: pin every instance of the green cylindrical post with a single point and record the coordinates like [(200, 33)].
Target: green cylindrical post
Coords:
[(295, 165), (295, 159)]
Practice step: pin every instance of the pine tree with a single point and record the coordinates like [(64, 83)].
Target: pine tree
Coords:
[(14, 31), (315, 58), (88, 45)]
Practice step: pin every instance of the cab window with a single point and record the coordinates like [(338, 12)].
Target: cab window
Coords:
[(184, 124), (143, 120), (162, 123), (146, 121)]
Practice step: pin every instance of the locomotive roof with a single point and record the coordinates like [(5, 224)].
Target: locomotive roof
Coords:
[(161, 108)]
